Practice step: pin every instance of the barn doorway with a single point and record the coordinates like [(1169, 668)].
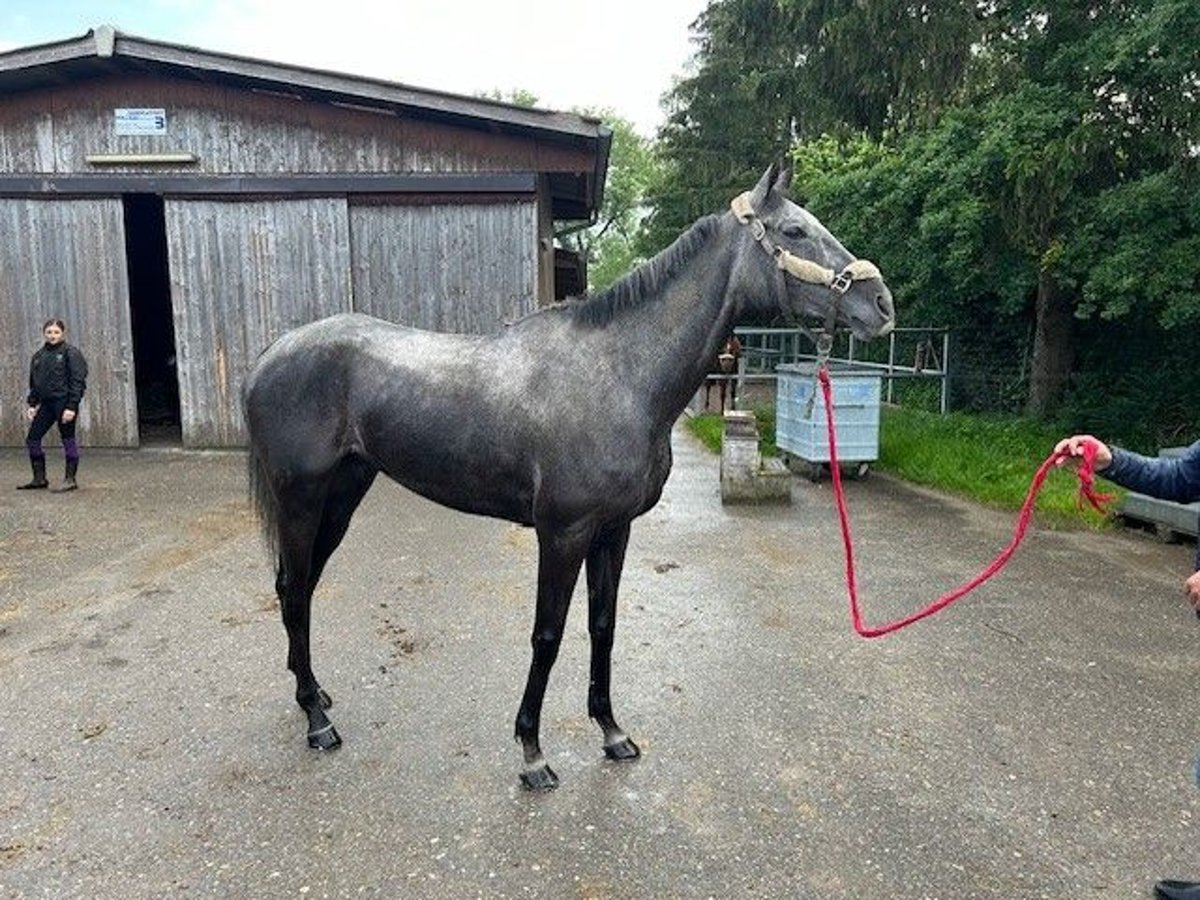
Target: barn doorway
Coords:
[(153, 325)]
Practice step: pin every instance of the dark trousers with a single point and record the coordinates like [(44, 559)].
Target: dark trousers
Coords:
[(49, 413)]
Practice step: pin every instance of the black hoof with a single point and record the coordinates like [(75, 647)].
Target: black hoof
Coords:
[(542, 779), (324, 699), (622, 751), (325, 739)]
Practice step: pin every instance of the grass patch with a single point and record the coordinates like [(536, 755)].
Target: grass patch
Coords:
[(988, 459), (709, 426)]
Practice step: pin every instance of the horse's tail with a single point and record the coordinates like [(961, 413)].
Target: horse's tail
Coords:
[(262, 498), (261, 485)]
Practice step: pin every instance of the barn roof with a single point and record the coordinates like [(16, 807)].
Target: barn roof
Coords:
[(105, 51)]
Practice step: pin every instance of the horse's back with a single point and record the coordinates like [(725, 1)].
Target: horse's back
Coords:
[(295, 397), (337, 345), (499, 425), (351, 383)]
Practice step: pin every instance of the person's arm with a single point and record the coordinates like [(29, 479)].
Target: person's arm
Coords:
[(32, 399), (1168, 478), (1191, 587), (76, 378)]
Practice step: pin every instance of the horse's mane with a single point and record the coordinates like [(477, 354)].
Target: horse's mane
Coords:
[(644, 281)]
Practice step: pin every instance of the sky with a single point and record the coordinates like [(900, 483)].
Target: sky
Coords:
[(620, 55)]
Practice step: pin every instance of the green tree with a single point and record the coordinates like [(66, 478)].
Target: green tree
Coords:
[(1103, 96), (611, 244), (725, 122), (878, 68), (1025, 172), (1061, 189), (769, 72), (515, 97)]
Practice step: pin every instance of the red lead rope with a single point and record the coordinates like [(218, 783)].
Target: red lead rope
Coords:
[(1087, 492)]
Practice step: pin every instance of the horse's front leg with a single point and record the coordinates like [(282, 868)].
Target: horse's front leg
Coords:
[(559, 559), (604, 563)]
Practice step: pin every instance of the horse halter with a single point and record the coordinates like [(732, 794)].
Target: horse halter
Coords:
[(804, 269)]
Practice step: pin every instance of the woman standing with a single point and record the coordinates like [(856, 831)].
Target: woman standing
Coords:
[(57, 380)]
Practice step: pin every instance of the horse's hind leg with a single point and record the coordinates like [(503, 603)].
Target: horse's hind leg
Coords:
[(350, 484), (316, 518), (294, 583), (604, 563)]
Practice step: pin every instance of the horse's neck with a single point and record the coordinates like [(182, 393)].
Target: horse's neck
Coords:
[(669, 341)]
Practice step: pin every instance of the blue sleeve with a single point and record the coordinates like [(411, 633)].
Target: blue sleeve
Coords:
[(1167, 478)]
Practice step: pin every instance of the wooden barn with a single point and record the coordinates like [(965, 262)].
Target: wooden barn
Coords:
[(181, 208)]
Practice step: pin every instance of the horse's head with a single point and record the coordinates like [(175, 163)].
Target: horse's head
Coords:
[(817, 276)]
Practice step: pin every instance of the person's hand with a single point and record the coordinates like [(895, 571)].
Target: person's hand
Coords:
[(1191, 590), (1073, 446), (68, 415), (30, 412)]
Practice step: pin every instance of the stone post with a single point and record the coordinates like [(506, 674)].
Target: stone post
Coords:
[(744, 476)]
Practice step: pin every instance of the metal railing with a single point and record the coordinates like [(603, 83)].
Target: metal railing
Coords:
[(912, 353)]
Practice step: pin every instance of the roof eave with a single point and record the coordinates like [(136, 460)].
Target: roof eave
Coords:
[(105, 42)]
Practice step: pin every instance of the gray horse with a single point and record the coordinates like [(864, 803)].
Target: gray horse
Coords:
[(573, 441)]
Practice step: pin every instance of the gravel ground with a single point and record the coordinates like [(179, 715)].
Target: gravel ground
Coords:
[(1036, 740)]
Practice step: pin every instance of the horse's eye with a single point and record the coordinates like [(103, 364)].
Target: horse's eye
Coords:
[(793, 231)]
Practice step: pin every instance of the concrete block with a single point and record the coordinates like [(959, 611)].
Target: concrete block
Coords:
[(745, 476)]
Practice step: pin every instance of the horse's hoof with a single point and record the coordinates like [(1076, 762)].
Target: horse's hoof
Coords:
[(324, 699), (540, 780), (325, 738), (623, 750)]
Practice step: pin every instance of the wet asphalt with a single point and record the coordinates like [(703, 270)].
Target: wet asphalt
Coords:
[(1036, 740)]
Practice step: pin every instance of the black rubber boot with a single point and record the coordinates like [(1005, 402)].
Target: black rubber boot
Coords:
[(68, 479), (39, 481)]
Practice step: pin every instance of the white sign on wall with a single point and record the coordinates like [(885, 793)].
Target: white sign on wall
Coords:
[(141, 121)]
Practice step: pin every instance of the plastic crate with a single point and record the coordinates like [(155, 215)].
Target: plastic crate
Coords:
[(800, 417)]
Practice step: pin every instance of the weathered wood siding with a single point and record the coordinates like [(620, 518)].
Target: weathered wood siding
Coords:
[(66, 259), (26, 134), (235, 131), (242, 273), (466, 256), (457, 267)]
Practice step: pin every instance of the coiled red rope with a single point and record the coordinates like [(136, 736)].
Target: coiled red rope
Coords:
[(1087, 493)]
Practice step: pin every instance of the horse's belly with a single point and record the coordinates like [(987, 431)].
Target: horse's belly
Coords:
[(511, 506), (478, 482)]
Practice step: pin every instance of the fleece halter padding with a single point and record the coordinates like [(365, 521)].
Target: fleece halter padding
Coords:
[(802, 269)]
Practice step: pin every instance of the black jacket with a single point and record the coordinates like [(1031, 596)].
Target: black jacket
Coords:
[(57, 373)]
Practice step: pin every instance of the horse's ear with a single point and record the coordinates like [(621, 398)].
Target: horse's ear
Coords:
[(784, 179), (762, 190)]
